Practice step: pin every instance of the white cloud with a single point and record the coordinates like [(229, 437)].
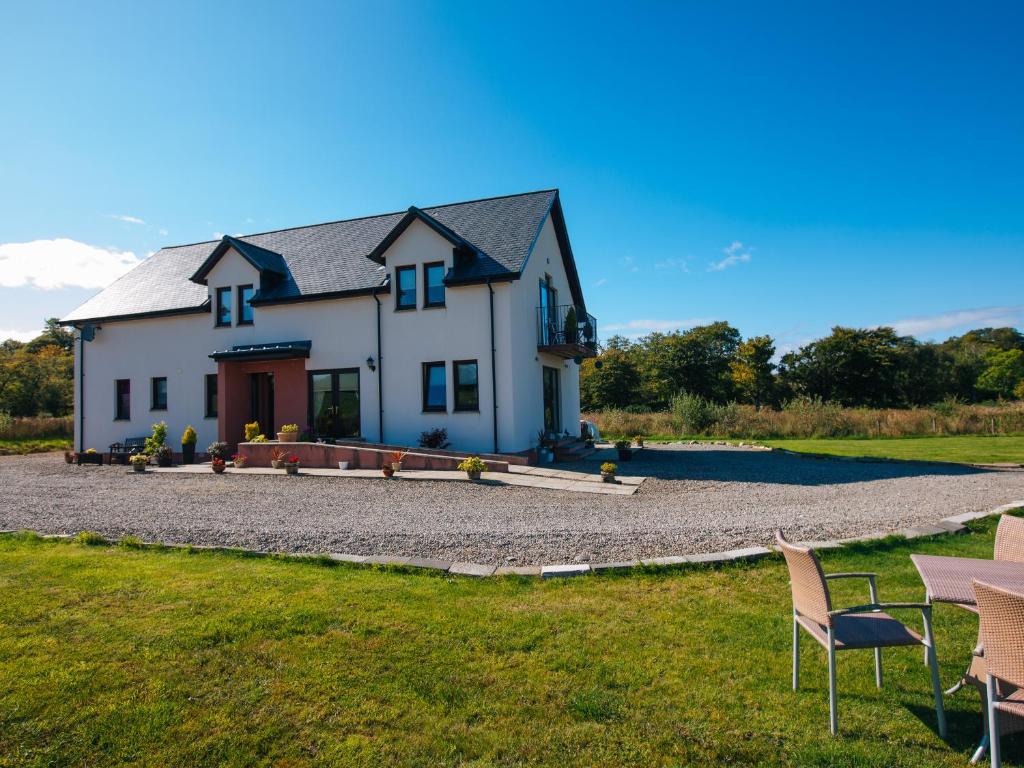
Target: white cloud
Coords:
[(60, 263), (126, 219), (634, 328), (630, 264), (735, 253), (218, 235), (673, 264), (164, 232), (601, 282), (25, 336), (962, 318)]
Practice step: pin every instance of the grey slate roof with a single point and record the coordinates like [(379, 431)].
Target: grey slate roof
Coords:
[(331, 259)]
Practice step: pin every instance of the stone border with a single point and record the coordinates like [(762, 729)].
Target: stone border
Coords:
[(947, 525)]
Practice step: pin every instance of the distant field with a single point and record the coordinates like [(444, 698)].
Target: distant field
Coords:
[(33, 445), (973, 449)]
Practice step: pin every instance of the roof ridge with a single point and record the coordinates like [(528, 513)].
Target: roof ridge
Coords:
[(362, 218)]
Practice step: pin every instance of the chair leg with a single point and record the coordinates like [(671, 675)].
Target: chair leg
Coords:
[(878, 667), (933, 662), (993, 723), (796, 653), (833, 715)]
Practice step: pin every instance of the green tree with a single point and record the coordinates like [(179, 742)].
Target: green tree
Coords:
[(696, 361), (1003, 373), (53, 335), (609, 381), (752, 371)]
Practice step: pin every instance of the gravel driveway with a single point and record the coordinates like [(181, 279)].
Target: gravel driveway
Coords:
[(697, 499)]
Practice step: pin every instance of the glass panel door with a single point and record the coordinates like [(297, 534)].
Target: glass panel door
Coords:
[(552, 401), (334, 403), (348, 404), (322, 403)]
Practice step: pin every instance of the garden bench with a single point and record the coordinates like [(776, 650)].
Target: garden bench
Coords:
[(120, 452)]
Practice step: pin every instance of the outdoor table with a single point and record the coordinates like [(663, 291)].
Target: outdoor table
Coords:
[(950, 580)]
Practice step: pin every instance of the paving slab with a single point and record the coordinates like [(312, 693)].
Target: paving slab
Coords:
[(518, 570), (618, 566), (472, 569), (744, 553), (925, 529), (668, 560), (430, 563), (563, 571), (346, 558)]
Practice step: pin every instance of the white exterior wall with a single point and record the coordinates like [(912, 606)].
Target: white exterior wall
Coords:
[(344, 334)]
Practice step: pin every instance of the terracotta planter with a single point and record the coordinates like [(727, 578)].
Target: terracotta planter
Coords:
[(388, 471), (240, 463), (277, 464), (608, 477), (218, 469), (473, 474), (287, 437), (69, 457), (396, 465), (291, 469)]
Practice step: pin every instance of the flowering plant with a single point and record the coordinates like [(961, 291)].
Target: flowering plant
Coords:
[(292, 460), (217, 461), (472, 464), (609, 468), (398, 455), (138, 458)]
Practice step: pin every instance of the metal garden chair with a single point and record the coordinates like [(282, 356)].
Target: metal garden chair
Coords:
[(1002, 631)]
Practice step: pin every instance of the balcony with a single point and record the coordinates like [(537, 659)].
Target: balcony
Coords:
[(566, 331)]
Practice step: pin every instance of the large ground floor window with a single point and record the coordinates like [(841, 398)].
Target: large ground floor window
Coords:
[(334, 402)]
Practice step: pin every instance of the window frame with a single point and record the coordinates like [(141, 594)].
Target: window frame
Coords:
[(224, 290), (426, 368), (456, 385), (207, 378), (399, 306), (427, 303), (153, 406), (118, 416), (242, 303)]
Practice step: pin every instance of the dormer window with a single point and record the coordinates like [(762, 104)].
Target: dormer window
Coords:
[(223, 307), (433, 281), (405, 287), (245, 310)]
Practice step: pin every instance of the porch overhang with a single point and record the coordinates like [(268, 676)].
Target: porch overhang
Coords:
[(282, 350)]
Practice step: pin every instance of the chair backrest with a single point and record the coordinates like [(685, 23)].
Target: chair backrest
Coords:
[(1010, 539), (810, 590), (1002, 631)]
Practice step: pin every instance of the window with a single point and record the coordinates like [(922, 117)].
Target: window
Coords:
[(245, 293), (405, 280), (158, 394), (435, 390), (433, 281), (467, 390), (211, 395), (123, 400), (223, 306)]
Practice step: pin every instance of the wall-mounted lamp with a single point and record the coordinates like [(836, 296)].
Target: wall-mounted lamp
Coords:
[(371, 364)]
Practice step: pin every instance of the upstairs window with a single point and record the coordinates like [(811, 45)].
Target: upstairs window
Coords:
[(211, 396), (245, 311), (433, 281), (122, 399), (467, 389), (405, 284), (223, 307), (435, 388), (158, 394)]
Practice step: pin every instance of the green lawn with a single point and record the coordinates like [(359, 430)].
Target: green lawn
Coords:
[(113, 656), (34, 445), (970, 449)]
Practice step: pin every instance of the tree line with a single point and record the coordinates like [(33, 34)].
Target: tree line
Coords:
[(37, 377), (851, 367)]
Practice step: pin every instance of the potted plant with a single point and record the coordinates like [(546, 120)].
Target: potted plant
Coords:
[(289, 433), (388, 470), (396, 460), (251, 430), (164, 456), (622, 446), (239, 461), (217, 450), (571, 326), (217, 464), (291, 465), (639, 440), (90, 456), (156, 441), (69, 457), (608, 472), (544, 453), (188, 445), (277, 457), (472, 466), (138, 461)]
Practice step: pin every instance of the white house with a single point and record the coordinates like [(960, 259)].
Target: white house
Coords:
[(467, 316)]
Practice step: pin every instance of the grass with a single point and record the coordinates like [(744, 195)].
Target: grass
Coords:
[(115, 655), (974, 449), (20, 446)]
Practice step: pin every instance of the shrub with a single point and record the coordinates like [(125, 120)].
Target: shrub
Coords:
[(260, 439), (693, 413), (189, 436), (622, 444), (90, 538), (138, 458), (609, 468), (253, 428), (157, 439), (472, 464), (289, 428), (131, 542), (217, 450), (434, 438)]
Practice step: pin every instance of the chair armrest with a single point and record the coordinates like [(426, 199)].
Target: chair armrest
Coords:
[(880, 607), (851, 575)]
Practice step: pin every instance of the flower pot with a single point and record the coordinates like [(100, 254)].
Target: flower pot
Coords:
[(69, 457), (388, 470), (277, 464), (473, 474), (240, 463), (342, 465), (138, 467), (188, 453), (291, 469), (218, 469), (608, 477), (396, 465), (163, 461), (625, 454), (288, 437)]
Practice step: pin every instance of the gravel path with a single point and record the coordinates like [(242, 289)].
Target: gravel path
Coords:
[(697, 499)]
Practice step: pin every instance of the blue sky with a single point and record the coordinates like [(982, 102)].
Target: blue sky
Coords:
[(785, 167)]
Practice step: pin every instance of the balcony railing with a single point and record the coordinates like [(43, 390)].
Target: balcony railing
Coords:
[(566, 331)]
